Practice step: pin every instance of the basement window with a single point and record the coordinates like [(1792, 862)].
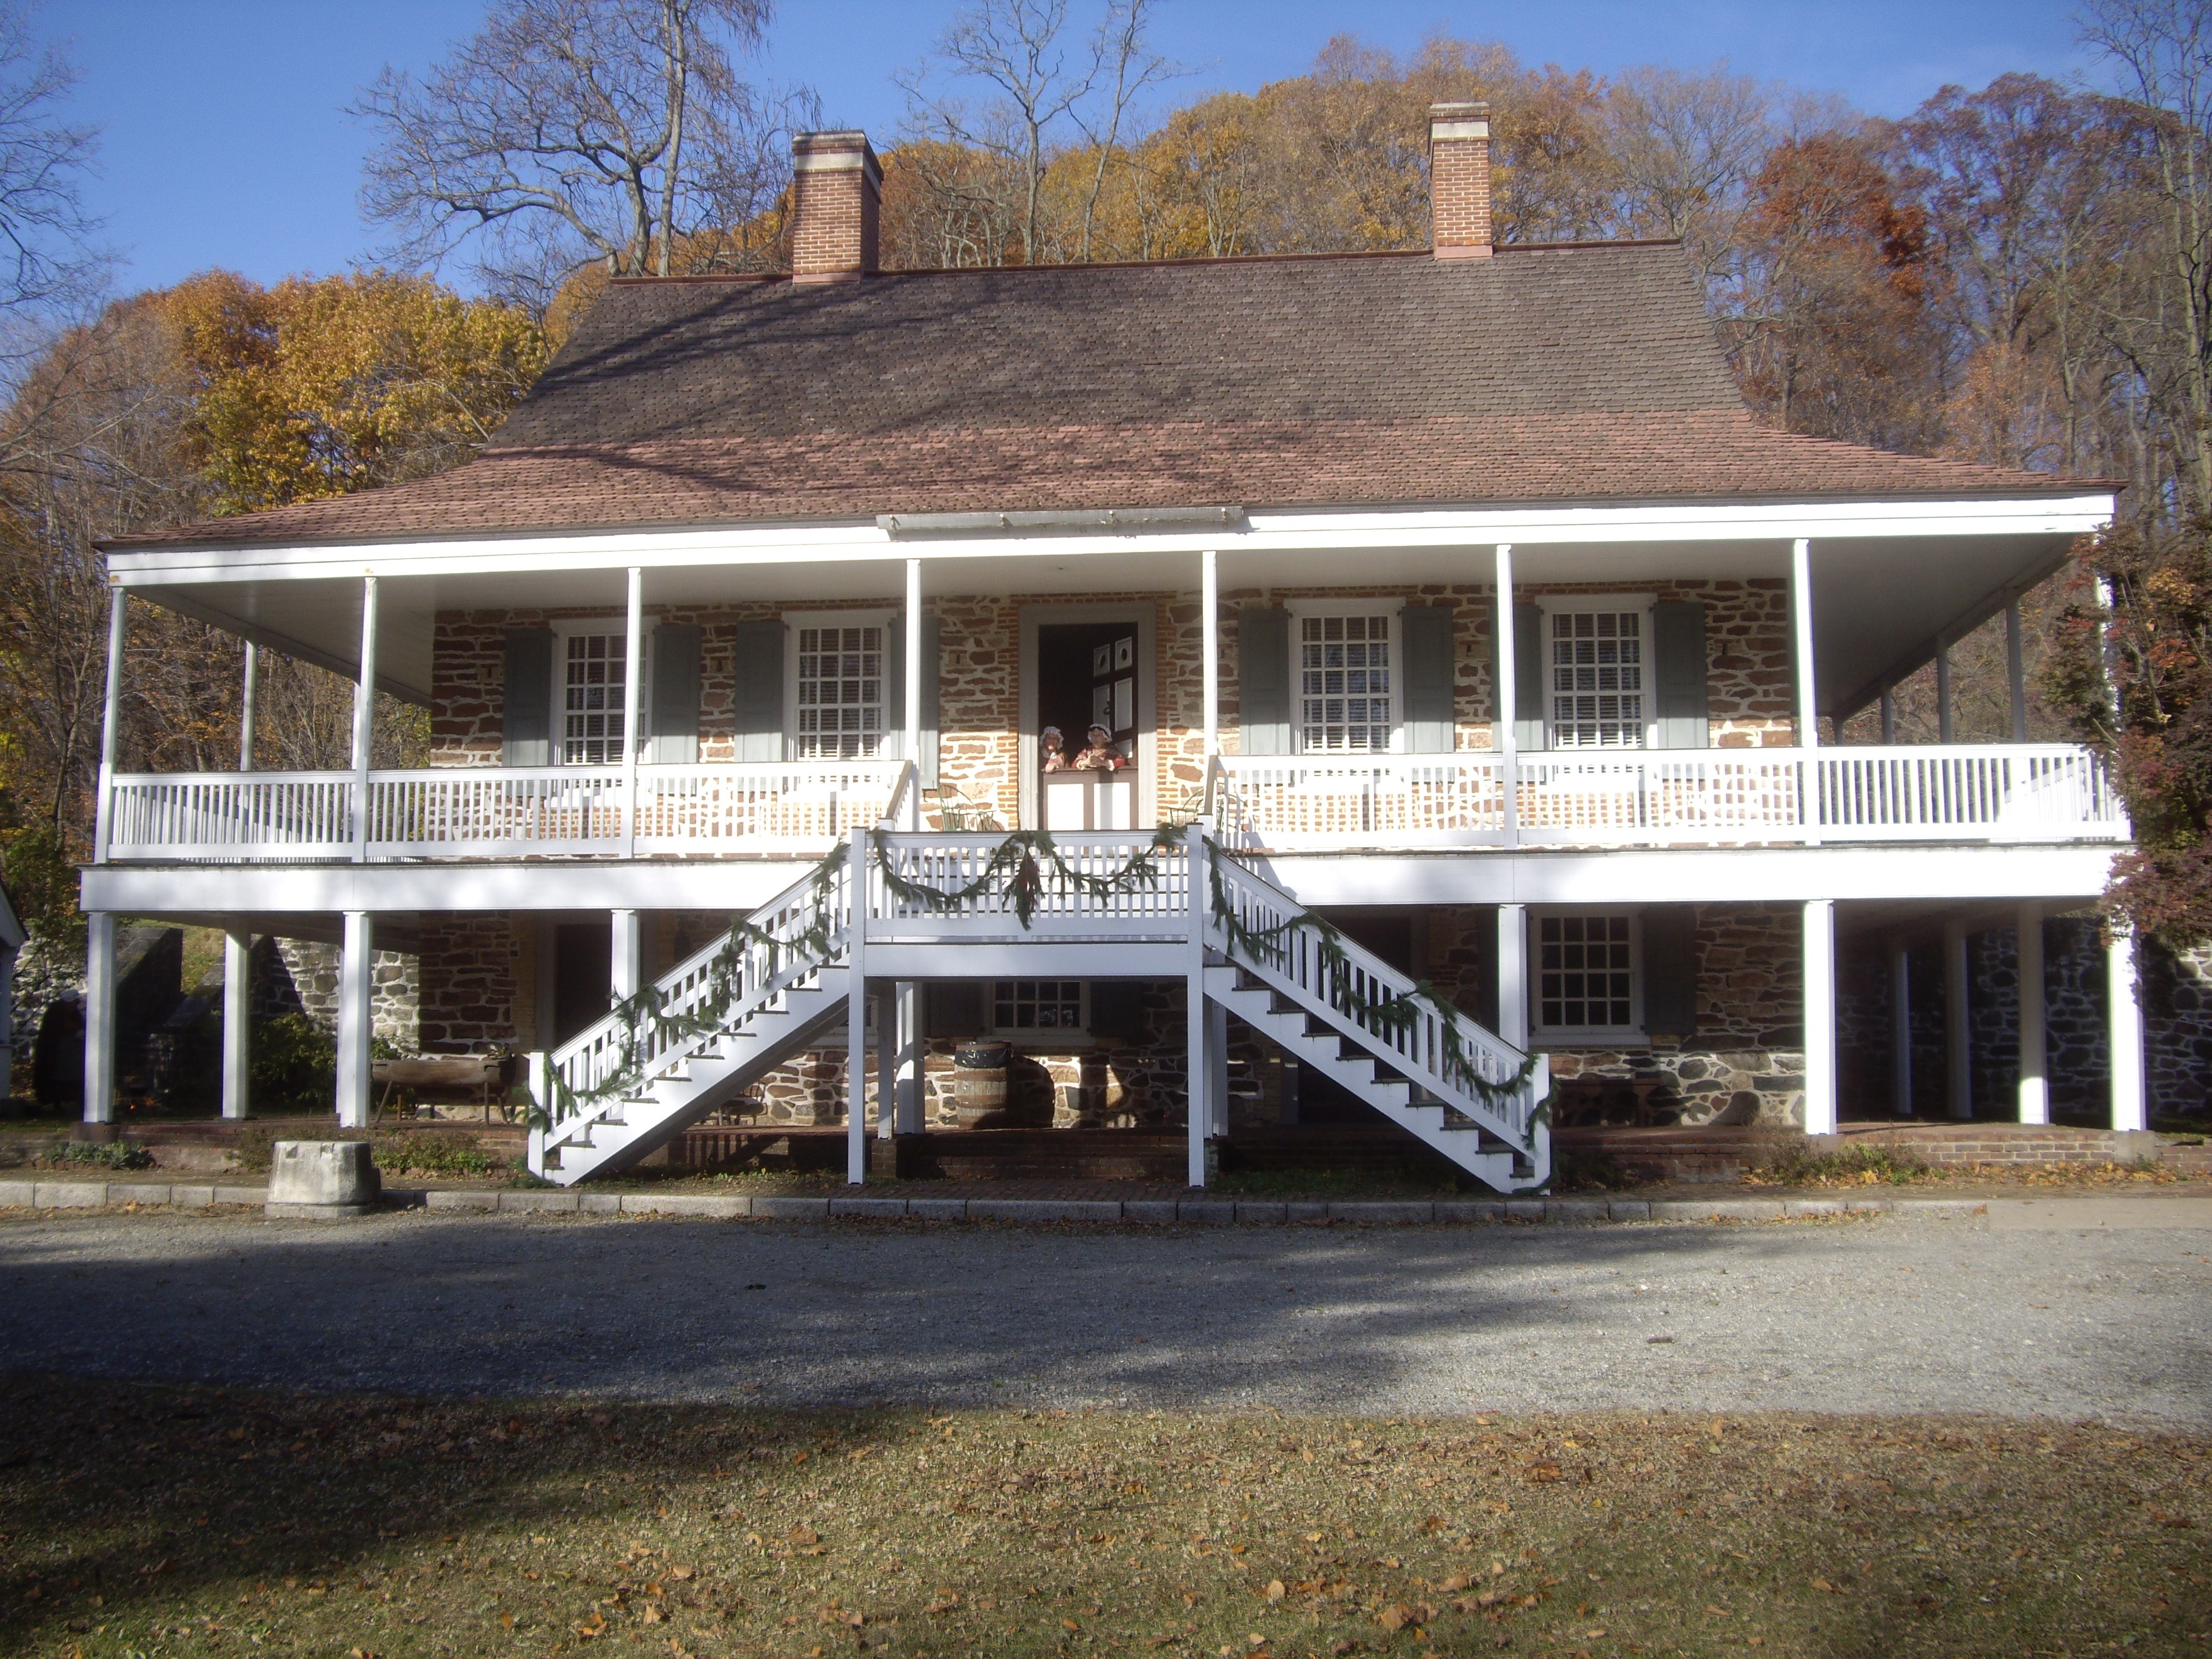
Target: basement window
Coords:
[(1026, 1010), (1586, 975)]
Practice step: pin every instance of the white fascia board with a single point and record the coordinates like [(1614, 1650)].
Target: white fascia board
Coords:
[(1261, 532), (1641, 876)]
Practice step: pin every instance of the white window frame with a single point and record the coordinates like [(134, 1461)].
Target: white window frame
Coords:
[(1390, 608), (566, 628), (1631, 1035), (1035, 1036), (794, 620), (1571, 603)]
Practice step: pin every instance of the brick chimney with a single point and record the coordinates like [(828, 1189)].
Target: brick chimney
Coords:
[(1459, 179), (837, 199)]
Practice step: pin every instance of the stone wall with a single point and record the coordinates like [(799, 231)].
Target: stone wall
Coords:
[(2177, 1029), (301, 977), (472, 996)]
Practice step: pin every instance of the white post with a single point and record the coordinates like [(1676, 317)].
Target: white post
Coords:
[(856, 1016), (2034, 1082), (1820, 1017), (633, 647), (2017, 672), (1197, 1114), (356, 971), (626, 969), (887, 1060), (1504, 701), (1888, 714), (110, 718), (1809, 711), (1958, 1040), (1900, 1028), (364, 724), (1513, 974), (1945, 726), (2124, 1021), (913, 690), (1217, 1068), (245, 709), (912, 1120), (100, 1017), (237, 1015), (1209, 600)]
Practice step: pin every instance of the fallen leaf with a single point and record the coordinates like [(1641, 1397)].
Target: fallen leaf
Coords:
[(803, 1534), (506, 1621), (1537, 1474), (1275, 1590)]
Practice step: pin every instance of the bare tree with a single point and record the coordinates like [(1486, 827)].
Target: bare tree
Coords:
[(47, 254), (570, 130), (1685, 146)]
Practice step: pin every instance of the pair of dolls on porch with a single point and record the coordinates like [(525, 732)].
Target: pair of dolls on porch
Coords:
[(1099, 752)]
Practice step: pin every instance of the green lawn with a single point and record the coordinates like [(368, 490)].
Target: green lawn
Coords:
[(147, 1521)]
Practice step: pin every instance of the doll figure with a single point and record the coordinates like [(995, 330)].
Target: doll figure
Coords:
[(1055, 754), (1099, 754)]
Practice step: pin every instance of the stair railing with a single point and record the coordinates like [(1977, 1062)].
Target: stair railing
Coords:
[(781, 946), (1349, 988)]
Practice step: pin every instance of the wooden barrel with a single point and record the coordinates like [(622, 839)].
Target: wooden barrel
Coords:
[(978, 1081)]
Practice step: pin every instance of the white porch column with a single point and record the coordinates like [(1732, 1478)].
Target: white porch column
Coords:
[(856, 1017), (1809, 711), (1958, 1040), (119, 622), (907, 1008), (887, 1059), (1198, 1113), (626, 968), (1513, 974), (1900, 1028), (100, 1017), (1820, 1017), (247, 696), (1945, 725), (633, 648), (2034, 1081), (364, 720), (913, 733), (1216, 1069), (357, 972), (2124, 1022), (1504, 701), (237, 1017), (1888, 714), (1209, 600), (2017, 672)]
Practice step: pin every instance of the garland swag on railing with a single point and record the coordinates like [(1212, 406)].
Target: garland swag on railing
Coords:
[(1395, 1013), (1025, 859)]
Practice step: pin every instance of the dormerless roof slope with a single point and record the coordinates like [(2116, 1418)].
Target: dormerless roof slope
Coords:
[(1543, 375)]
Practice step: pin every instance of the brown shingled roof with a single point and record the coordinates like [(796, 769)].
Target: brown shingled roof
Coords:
[(1583, 374)]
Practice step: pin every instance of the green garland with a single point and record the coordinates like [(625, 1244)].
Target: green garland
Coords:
[(1395, 1013), (1025, 859)]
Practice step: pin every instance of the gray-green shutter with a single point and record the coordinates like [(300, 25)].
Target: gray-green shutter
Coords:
[(952, 1008), (527, 736), (1670, 969), (675, 694), (756, 695), (1678, 649), (1424, 634), (931, 655), (1263, 680), (1117, 1009), (1528, 677)]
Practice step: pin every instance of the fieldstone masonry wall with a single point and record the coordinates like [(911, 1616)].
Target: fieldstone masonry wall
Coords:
[(301, 977)]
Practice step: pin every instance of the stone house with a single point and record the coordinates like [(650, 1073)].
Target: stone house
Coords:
[(1445, 670)]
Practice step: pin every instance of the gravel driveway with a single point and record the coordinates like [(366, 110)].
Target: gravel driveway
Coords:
[(1894, 1314)]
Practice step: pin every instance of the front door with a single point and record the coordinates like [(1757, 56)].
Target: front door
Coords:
[(1091, 727)]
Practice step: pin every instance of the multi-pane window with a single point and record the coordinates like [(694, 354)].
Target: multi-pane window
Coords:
[(1585, 973), (1036, 1005), (1595, 662), (839, 710), (594, 676), (1344, 683)]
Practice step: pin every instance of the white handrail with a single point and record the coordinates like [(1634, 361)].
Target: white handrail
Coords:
[(1339, 982), (949, 863)]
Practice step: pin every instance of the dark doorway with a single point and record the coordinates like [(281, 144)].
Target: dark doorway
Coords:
[(1087, 675), (583, 975)]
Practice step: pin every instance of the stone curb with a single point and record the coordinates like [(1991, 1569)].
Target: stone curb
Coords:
[(1215, 1213)]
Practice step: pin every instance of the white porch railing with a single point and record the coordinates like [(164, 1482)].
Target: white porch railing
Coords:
[(1661, 797), (496, 812), (1155, 910)]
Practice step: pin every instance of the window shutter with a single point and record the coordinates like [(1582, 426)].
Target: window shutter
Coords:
[(675, 694), (931, 655), (1678, 648), (1670, 969), (1528, 677), (952, 1009), (757, 696), (1263, 680), (527, 736), (1424, 634), (1117, 1010)]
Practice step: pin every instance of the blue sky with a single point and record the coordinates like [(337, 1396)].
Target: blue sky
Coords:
[(226, 143)]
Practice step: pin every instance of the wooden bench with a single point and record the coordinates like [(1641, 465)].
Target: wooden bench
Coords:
[(483, 1078)]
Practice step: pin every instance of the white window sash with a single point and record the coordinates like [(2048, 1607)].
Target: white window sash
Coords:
[(1040, 1035), (1395, 666), (616, 628), (1577, 604), (797, 740), (1586, 1035)]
